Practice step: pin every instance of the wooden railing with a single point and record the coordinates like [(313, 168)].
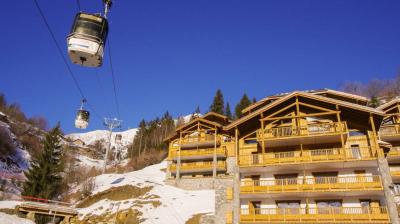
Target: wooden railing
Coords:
[(395, 172), (394, 151), (307, 156), (300, 131), (198, 165), (316, 215), (392, 129), (312, 184), (199, 138), (198, 152)]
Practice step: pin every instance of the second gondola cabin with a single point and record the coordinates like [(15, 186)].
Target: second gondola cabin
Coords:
[(82, 119), (87, 39)]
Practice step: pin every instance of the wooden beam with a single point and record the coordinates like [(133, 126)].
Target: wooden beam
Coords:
[(262, 135), (340, 122), (371, 120), (315, 107), (297, 112), (300, 116), (237, 145), (283, 109)]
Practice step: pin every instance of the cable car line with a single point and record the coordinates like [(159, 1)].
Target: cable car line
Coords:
[(70, 72), (59, 49), (113, 78)]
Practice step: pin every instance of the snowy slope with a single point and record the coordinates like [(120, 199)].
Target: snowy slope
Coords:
[(91, 137), (177, 205), (13, 219)]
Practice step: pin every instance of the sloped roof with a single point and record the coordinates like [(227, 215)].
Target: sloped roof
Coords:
[(307, 95), (388, 104), (269, 99), (211, 118)]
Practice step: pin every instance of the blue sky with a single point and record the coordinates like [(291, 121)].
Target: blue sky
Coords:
[(173, 55)]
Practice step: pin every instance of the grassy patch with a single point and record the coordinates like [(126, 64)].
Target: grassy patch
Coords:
[(131, 216), (116, 194), (195, 219)]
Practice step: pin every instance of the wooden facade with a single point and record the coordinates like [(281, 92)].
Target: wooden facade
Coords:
[(307, 157), (200, 147)]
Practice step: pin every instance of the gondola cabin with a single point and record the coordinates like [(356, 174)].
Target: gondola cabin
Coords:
[(87, 40), (118, 138), (82, 119)]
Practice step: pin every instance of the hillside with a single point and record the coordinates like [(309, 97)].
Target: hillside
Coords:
[(145, 194)]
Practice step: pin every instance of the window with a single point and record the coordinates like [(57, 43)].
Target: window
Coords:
[(329, 206), (356, 133), (288, 207), (355, 151)]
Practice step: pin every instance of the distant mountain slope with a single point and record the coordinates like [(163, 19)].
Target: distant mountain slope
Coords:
[(91, 137)]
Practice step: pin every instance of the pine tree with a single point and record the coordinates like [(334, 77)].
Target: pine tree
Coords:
[(243, 103), (254, 100), (374, 102), (217, 105), (228, 112), (44, 177)]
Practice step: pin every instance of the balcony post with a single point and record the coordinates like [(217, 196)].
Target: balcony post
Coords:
[(341, 135), (215, 154), (262, 135), (178, 167)]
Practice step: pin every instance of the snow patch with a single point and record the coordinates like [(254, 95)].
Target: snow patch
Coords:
[(13, 219), (9, 204)]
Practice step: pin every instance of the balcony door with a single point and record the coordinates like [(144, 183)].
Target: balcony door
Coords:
[(256, 180), (255, 207), (369, 206), (286, 179), (325, 177)]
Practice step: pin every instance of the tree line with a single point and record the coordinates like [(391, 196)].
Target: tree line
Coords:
[(218, 105), (377, 90)]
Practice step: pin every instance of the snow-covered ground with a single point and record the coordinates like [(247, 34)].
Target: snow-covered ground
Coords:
[(177, 205), (9, 204), (13, 219)]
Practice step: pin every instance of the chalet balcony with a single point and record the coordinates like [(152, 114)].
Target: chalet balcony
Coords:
[(306, 134), (390, 133), (309, 158), (198, 167), (316, 215), (394, 154), (196, 154), (199, 141), (395, 173), (330, 185)]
